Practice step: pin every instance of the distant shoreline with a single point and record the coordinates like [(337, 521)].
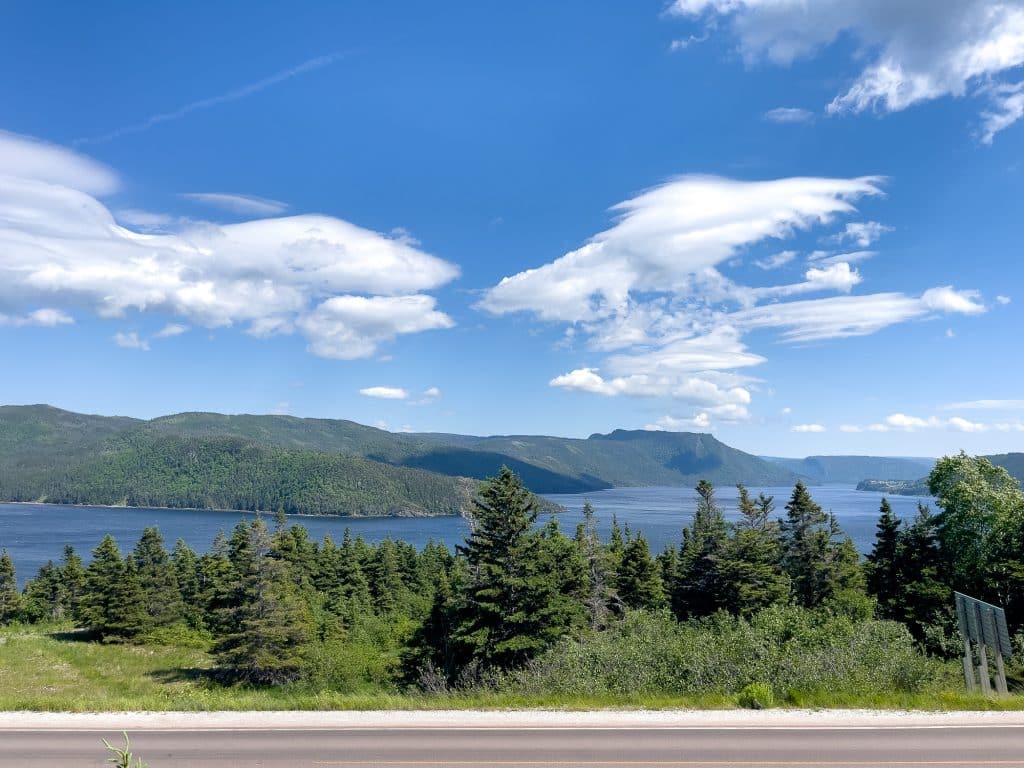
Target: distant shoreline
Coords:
[(261, 512)]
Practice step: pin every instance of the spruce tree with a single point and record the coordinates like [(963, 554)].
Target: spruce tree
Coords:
[(882, 569), (9, 598), (186, 571), (512, 610), (158, 579), (697, 589), (639, 581), (127, 616), (43, 598), (72, 573), (266, 624), (751, 575), (102, 579), (822, 565), (926, 597)]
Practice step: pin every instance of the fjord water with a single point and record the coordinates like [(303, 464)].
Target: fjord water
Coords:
[(35, 533)]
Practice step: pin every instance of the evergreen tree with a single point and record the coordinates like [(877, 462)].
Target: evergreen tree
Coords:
[(883, 565), (926, 598), (215, 576), (102, 579), (44, 598), (433, 658), (73, 582), (186, 571), (267, 628), (751, 576), (349, 597), (807, 539), (511, 608), (639, 582), (127, 616), (600, 599), (158, 579), (9, 598), (697, 589)]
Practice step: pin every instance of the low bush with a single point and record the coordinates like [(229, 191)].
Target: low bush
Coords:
[(798, 650)]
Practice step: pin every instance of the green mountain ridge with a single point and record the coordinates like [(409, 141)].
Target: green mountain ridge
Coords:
[(326, 466), (853, 469)]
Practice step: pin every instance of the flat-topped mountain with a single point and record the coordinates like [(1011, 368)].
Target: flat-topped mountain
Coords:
[(328, 466)]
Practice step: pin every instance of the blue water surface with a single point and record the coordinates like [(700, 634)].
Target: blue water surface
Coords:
[(35, 533)]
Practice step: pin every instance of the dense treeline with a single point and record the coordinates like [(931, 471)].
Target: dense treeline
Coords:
[(779, 597), (231, 473)]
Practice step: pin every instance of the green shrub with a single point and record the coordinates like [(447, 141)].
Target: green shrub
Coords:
[(798, 650), (756, 696)]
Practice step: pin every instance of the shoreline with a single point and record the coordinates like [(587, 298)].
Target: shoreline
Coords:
[(261, 512)]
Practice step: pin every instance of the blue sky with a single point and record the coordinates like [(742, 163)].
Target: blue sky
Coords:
[(794, 226)]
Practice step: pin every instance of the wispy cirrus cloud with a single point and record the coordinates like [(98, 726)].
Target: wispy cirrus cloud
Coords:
[(310, 65), (245, 204), (788, 115)]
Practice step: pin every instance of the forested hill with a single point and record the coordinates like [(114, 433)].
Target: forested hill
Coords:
[(325, 466), (1011, 462), (853, 469)]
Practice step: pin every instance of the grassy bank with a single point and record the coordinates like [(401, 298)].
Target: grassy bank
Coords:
[(51, 669)]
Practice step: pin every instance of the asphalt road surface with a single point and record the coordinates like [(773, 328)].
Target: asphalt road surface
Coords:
[(693, 747)]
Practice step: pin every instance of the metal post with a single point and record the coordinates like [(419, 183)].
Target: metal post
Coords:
[(969, 667), (986, 683), (1001, 675)]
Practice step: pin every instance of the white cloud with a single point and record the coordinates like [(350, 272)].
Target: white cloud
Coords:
[(648, 292), (347, 289), (788, 115), (282, 408), (948, 299), (349, 327), (1004, 300), (986, 405), (807, 428), (841, 316), (701, 423), (849, 257), (432, 393), (776, 260), (24, 157), (863, 233), (146, 221), (245, 204), (912, 51), (131, 341), (45, 318), (683, 43), (1008, 108), (905, 423), (169, 330), (385, 393), (786, 411), (671, 238)]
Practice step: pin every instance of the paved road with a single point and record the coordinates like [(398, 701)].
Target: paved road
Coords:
[(531, 748)]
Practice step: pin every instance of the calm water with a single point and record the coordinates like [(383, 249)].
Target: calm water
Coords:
[(35, 533)]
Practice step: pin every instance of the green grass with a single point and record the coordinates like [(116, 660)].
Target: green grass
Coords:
[(42, 669)]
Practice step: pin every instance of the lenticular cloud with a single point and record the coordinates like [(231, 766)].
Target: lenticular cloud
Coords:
[(332, 281)]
